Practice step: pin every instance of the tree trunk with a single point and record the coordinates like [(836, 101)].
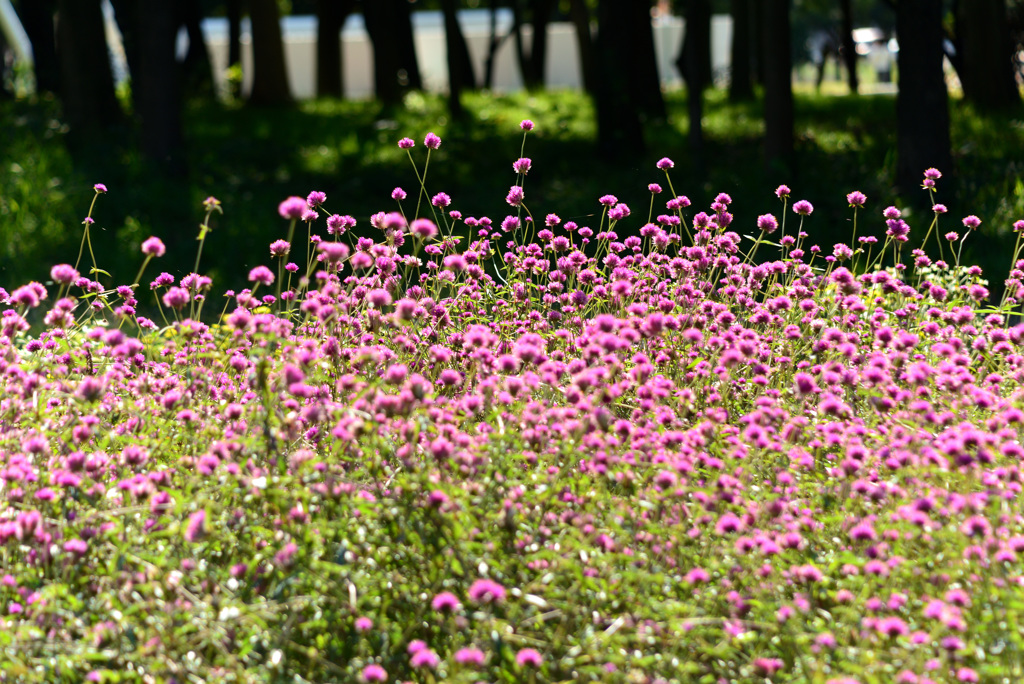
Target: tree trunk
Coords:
[(460, 66), (331, 16), (847, 46), (619, 133), (126, 14), (696, 70), (757, 40), (234, 12), (493, 44), (986, 54), (778, 85), (270, 76), (37, 20), (198, 72), (395, 68), (532, 62), (580, 15), (157, 85), (87, 84), (645, 84), (741, 87), (922, 103)]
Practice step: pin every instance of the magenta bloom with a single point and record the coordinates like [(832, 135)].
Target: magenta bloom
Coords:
[(665, 164), (398, 194), (441, 199), (279, 248), (768, 223), (473, 657), (431, 141), (195, 529), (803, 207), (486, 591), (891, 213), (100, 188), (515, 196), (424, 658), (315, 198), (522, 165), (940, 209), (153, 247), (176, 297), (292, 208), (423, 228), (528, 657), (374, 673), (932, 174), (261, 275), (654, 188), (972, 222), (64, 274), (526, 125), (445, 602), (782, 191), (856, 199), (363, 624), (406, 143)]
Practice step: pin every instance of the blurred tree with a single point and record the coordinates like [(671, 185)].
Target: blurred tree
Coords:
[(741, 83), (87, 83), (395, 67), (198, 71), (331, 16), (579, 12), (156, 85), (536, 14), (270, 75), (460, 65), (694, 59), (37, 20), (847, 47), (922, 103), (233, 9), (627, 84), (985, 53), (778, 84)]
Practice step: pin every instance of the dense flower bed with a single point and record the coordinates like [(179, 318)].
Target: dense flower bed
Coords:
[(543, 453)]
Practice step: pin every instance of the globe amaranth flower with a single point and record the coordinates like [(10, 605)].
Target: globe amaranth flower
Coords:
[(445, 602), (515, 196), (374, 673), (526, 125), (972, 222), (406, 143), (939, 208), (856, 199), (529, 657), (782, 191), (486, 591), (803, 208), (100, 188), (292, 208), (315, 198), (153, 246), (308, 215), (608, 200), (768, 223), (1018, 226), (431, 141), (654, 188), (398, 194), (441, 199), (552, 220), (664, 164), (64, 274), (473, 657), (337, 225), (618, 212), (261, 275), (522, 165)]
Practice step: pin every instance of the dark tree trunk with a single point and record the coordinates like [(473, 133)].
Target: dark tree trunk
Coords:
[(696, 70), (741, 86), (778, 84), (87, 84), (37, 20), (126, 14), (157, 85), (690, 64), (198, 72), (619, 133), (234, 12), (580, 15), (536, 13), (847, 47), (922, 103), (986, 60), (460, 65), (493, 44), (757, 40), (270, 76), (645, 84), (331, 16), (395, 68)]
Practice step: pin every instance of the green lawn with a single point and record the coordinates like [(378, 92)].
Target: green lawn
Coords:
[(251, 159)]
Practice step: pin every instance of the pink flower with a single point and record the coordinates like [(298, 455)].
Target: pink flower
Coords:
[(153, 247), (486, 591), (374, 673), (445, 602), (195, 530), (526, 125), (528, 657), (431, 141), (292, 208), (473, 657)]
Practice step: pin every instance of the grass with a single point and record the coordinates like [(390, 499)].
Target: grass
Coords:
[(251, 159)]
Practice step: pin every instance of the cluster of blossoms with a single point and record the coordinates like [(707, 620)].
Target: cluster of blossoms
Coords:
[(453, 449)]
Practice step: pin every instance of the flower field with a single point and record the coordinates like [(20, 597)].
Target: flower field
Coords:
[(673, 445)]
